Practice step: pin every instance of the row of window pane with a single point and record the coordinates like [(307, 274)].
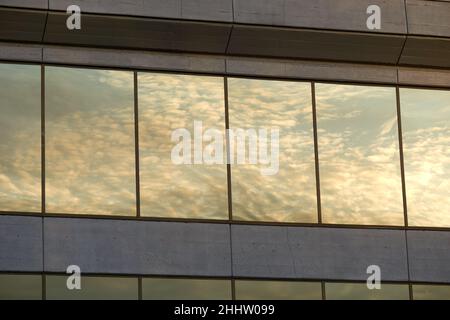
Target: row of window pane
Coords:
[(15, 286), (90, 148)]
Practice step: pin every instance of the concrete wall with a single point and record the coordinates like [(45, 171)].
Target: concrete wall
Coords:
[(204, 249)]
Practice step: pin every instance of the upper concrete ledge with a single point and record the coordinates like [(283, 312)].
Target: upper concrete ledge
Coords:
[(30, 4), (430, 18)]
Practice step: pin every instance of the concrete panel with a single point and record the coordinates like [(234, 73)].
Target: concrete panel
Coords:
[(430, 18), (434, 52), (111, 31), (205, 10), (312, 70), (32, 4), (321, 14), (290, 43), (22, 25), (318, 253), (429, 256), (137, 247), (424, 77), (134, 59), (20, 243), (20, 52)]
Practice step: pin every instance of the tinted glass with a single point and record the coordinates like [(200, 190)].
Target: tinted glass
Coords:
[(359, 291), (426, 141), (431, 292), (92, 288), (20, 138), (169, 104), (288, 195), (360, 178), (278, 290), (20, 287), (185, 289), (90, 141)]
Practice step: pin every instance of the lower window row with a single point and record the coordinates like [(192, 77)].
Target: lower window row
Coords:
[(30, 287)]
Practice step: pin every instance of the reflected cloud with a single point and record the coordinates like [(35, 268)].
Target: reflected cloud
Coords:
[(278, 290), (290, 195), (89, 141), (359, 291), (169, 102), (359, 155), (20, 132), (426, 141)]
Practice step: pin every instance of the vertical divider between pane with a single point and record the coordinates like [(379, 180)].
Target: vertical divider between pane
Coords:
[(402, 165), (136, 143), (43, 210), (316, 151), (227, 127)]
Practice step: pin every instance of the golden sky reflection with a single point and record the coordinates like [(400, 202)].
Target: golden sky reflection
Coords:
[(278, 290), (90, 158), (359, 155), (20, 132), (290, 195), (426, 147), (168, 102), (359, 291)]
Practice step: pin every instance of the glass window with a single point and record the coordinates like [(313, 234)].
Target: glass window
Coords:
[(20, 138), (431, 292), (20, 287), (90, 158), (277, 187), (359, 291), (92, 288), (277, 290), (185, 289), (176, 180), (426, 141), (360, 179)]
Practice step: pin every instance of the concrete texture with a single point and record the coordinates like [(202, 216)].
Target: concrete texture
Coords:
[(429, 256), (20, 52), (134, 59), (207, 10), (322, 14), (429, 18), (20, 243), (430, 52), (317, 253), (32, 4), (22, 25), (137, 247), (424, 77)]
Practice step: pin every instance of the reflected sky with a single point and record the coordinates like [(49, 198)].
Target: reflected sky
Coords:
[(185, 289), (359, 155), (92, 288), (431, 292), (278, 290), (426, 147), (20, 287), (359, 291), (169, 102), (290, 195), (90, 141), (20, 132)]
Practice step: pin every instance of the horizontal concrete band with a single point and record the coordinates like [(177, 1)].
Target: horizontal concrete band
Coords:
[(225, 65), (250, 31), (109, 246)]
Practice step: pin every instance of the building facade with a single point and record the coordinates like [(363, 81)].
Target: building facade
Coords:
[(361, 181)]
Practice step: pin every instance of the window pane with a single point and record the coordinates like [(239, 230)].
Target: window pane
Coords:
[(167, 103), (360, 178), (20, 287), (278, 290), (92, 288), (90, 141), (20, 138), (290, 194), (426, 141), (185, 289), (431, 292), (359, 291)]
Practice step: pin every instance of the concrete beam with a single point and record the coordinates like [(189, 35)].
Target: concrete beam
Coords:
[(317, 253), (30, 4), (428, 52), (428, 18), (323, 14), (424, 77), (20, 52), (21, 243), (22, 25), (429, 256), (137, 247)]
